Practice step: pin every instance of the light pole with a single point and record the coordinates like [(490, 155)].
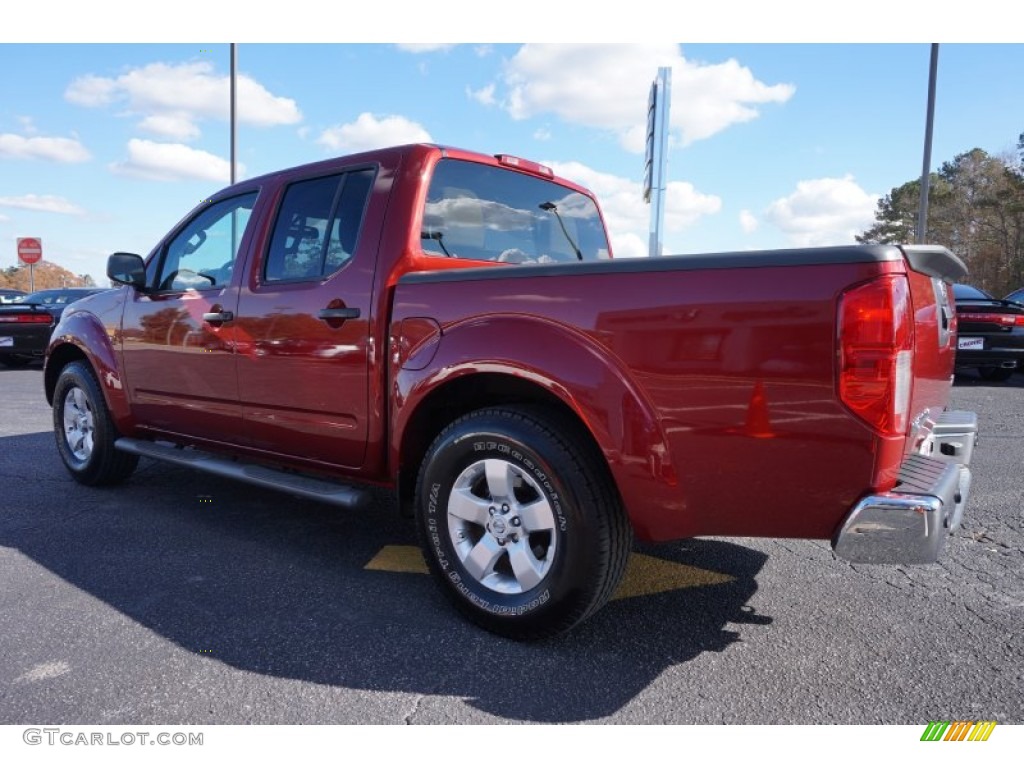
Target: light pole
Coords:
[(922, 214), (234, 103)]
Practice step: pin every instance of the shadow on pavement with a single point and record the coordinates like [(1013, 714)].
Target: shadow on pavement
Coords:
[(970, 377), (274, 585)]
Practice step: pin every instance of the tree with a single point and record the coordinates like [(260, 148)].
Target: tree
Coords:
[(976, 209), (896, 217)]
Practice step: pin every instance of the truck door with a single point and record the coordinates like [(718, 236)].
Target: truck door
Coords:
[(178, 344), (305, 309)]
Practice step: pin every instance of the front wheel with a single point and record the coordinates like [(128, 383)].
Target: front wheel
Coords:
[(85, 432), (520, 522)]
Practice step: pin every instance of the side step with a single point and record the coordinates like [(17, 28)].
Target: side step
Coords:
[(255, 474)]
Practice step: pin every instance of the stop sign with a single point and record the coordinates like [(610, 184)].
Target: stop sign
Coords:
[(30, 250)]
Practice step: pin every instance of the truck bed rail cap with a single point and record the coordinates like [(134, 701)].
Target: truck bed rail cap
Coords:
[(844, 254)]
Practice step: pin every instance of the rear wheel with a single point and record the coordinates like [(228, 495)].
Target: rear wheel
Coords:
[(991, 373), (520, 522), (84, 431)]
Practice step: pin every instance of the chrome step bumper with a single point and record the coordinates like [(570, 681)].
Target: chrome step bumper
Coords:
[(910, 523)]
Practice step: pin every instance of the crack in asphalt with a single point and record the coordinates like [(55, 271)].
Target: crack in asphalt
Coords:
[(415, 708)]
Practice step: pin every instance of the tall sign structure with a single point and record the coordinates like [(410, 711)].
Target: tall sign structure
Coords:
[(656, 158)]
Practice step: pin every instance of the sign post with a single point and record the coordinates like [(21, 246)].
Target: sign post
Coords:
[(30, 250), (656, 158)]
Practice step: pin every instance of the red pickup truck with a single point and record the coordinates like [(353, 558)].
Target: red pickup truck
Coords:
[(452, 325)]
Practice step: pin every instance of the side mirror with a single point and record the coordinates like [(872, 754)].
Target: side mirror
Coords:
[(127, 269)]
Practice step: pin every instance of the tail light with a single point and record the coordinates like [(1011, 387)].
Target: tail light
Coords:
[(990, 317), (876, 353), (26, 318)]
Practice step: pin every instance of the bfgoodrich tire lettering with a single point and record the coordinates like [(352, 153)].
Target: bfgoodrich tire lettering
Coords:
[(84, 431), (519, 521)]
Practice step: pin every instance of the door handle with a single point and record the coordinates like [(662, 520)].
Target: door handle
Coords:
[(339, 313), (218, 317)]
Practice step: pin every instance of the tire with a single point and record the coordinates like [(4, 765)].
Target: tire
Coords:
[(991, 373), (15, 361), (520, 522), (84, 431)]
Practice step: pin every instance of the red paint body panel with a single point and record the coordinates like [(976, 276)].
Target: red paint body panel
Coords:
[(672, 364), (712, 392)]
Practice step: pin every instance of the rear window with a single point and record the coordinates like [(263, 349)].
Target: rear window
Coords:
[(56, 297), (968, 292), (480, 212)]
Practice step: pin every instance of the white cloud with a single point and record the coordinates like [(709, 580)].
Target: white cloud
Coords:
[(27, 124), (172, 162), (483, 50), (177, 126), (748, 221), (91, 91), (370, 132), (4, 218), (627, 216), (607, 86), (46, 203), (629, 245), (42, 148), (425, 47), (542, 134), (173, 98), (485, 95), (825, 211)]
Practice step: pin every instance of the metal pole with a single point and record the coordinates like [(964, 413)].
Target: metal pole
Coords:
[(234, 100), (234, 138), (31, 278), (922, 214)]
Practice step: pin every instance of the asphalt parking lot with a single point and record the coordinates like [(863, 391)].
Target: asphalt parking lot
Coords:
[(183, 598)]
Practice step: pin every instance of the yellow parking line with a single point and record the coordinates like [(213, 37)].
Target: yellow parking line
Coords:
[(645, 575), (398, 559)]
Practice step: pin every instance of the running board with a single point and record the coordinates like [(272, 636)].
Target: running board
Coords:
[(255, 474)]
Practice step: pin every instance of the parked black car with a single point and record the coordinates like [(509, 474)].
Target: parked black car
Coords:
[(991, 333), (25, 327), (9, 295)]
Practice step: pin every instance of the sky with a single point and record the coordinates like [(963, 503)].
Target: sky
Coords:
[(104, 146)]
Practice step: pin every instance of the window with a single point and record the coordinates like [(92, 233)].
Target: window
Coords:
[(317, 226), (967, 292), (476, 211), (202, 255)]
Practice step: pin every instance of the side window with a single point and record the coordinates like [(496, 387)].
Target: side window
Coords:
[(317, 227), (203, 254)]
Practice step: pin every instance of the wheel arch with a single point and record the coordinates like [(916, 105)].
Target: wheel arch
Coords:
[(486, 363), (464, 394), (81, 336)]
